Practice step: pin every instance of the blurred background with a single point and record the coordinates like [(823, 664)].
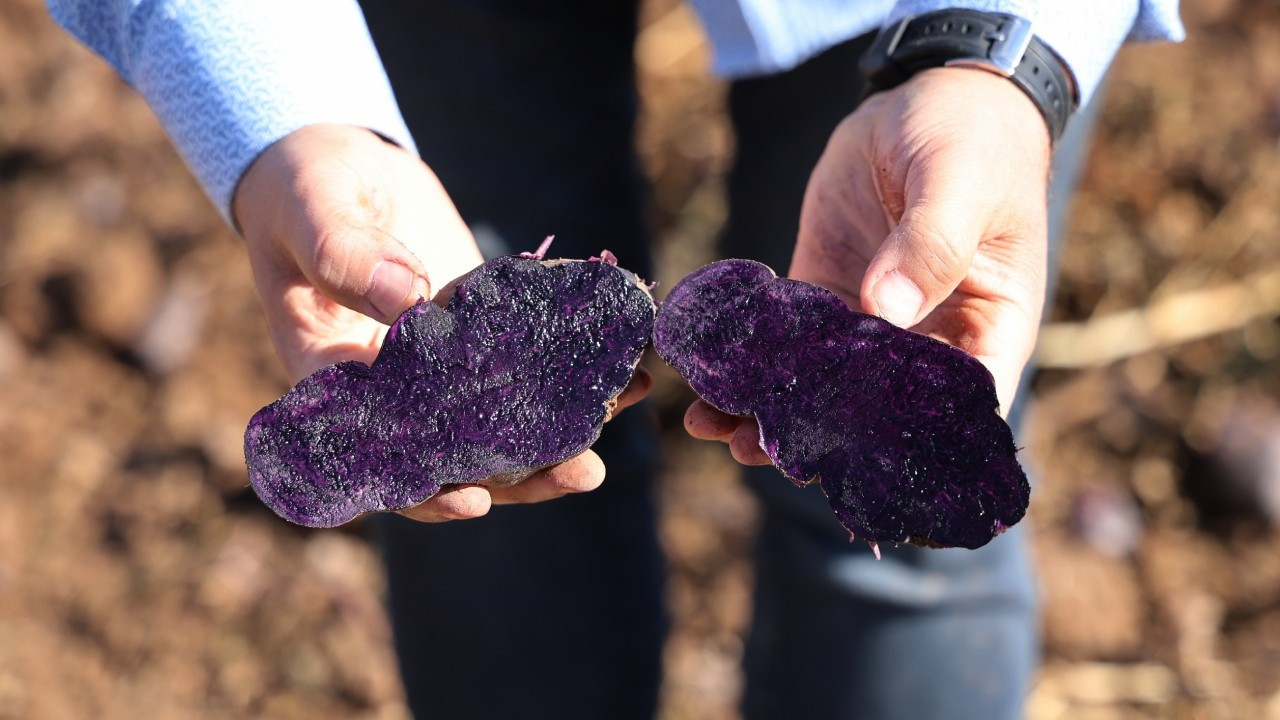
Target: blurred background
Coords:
[(139, 578)]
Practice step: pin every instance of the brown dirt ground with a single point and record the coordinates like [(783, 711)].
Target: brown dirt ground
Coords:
[(138, 580)]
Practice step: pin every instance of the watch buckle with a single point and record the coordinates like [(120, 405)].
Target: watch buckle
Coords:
[(1008, 44)]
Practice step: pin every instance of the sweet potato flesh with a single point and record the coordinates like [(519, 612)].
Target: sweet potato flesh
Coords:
[(902, 432), (517, 372)]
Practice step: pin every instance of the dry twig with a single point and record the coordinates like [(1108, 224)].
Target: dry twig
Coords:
[(1163, 323)]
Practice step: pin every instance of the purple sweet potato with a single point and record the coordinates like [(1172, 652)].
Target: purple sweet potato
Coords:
[(517, 372), (902, 432)]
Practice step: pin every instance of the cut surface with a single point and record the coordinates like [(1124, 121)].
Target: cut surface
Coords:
[(517, 372), (902, 431)]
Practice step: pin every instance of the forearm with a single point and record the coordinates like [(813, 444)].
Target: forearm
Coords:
[(229, 78)]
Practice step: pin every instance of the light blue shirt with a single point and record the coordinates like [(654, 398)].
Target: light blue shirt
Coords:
[(228, 78), (759, 36)]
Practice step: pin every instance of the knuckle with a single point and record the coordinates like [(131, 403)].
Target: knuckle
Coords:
[(328, 255), (936, 255)]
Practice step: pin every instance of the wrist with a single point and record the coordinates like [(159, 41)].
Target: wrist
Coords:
[(981, 104), (1000, 44), (261, 193)]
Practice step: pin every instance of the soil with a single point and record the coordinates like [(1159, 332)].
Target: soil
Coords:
[(140, 579)]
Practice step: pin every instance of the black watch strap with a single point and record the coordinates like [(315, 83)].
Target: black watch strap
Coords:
[(1003, 44)]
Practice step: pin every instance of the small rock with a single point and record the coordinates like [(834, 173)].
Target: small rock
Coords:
[(1108, 520), (171, 334)]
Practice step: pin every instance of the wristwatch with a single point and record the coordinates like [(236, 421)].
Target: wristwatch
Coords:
[(995, 42)]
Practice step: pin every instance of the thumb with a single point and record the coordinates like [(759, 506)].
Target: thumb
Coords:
[(928, 254), (365, 269)]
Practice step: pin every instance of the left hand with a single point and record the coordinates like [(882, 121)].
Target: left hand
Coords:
[(928, 208), (326, 212)]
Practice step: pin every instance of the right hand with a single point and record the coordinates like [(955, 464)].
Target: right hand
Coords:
[(910, 215), (344, 232)]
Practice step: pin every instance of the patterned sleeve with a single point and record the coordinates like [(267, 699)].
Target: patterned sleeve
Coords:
[(229, 78)]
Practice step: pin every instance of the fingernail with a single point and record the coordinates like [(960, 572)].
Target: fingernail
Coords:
[(392, 284), (898, 299)]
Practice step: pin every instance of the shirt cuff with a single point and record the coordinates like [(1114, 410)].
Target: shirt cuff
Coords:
[(1086, 34), (229, 78)]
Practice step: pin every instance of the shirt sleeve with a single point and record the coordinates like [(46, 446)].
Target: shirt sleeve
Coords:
[(229, 78), (752, 37), (1086, 34), (755, 37)]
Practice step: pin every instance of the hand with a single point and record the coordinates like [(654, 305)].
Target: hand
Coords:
[(345, 231), (928, 208)]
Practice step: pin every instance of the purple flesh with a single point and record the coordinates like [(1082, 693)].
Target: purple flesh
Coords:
[(519, 371), (902, 432)]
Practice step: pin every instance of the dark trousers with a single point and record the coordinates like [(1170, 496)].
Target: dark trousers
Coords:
[(526, 110)]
